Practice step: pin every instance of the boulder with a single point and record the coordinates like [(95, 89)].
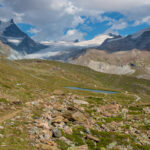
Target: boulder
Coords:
[(47, 134), (44, 125), (58, 119), (80, 102), (78, 116), (110, 108), (56, 133), (48, 147), (65, 140), (83, 147), (146, 110), (58, 92), (73, 148), (68, 130), (93, 138)]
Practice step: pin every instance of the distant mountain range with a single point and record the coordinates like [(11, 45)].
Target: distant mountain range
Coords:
[(110, 43), (106, 53)]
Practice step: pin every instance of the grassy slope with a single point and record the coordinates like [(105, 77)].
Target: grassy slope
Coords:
[(30, 80), (23, 79)]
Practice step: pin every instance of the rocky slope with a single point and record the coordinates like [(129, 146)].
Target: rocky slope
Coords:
[(38, 113), (122, 62), (8, 52)]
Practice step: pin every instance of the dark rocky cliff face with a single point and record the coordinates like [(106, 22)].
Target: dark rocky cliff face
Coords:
[(13, 31), (141, 42), (9, 30)]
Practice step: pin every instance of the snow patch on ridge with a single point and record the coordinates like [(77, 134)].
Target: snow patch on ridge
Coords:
[(14, 41)]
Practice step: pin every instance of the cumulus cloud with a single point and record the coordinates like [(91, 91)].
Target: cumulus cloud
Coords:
[(73, 35), (53, 17), (33, 31), (142, 20), (116, 26)]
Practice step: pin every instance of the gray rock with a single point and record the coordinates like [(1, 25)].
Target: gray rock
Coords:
[(47, 136), (80, 102), (65, 140), (87, 131), (35, 131), (112, 145), (78, 116), (41, 137), (56, 133)]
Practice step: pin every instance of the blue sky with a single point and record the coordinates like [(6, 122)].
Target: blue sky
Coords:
[(26, 28), (51, 20), (92, 28)]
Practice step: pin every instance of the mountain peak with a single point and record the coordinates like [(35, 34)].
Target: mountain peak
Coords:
[(11, 21), (13, 36)]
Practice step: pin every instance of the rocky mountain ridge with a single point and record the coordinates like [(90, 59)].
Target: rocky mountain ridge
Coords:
[(134, 62), (139, 40), (11, 35)]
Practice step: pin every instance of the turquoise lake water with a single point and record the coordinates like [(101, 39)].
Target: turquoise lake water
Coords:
[(91, 90)]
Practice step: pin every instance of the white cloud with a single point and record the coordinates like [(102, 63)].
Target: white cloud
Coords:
[(143, 20), (33, 30), (72, 35), (53, 17), (119, 25), (77, 20), (116, 26), (146, 20)]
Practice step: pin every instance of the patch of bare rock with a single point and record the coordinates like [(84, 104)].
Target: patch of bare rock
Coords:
[(62, 113)]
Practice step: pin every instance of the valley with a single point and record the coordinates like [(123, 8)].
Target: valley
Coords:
[(74, 95), (37, 112)]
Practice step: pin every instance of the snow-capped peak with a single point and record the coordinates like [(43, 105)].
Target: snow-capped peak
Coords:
[(15, 41), (139, 33)]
